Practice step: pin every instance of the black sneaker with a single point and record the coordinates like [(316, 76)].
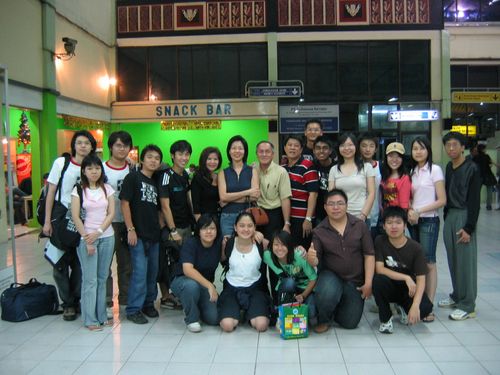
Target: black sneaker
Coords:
[(69, 314), (150, 311), (137, 318)]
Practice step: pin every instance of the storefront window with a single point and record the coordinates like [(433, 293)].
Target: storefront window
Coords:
[(132, 73), (379, 117), (471, 10)]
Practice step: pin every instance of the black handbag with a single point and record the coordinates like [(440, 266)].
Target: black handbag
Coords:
[(22, 302), (64, 228)]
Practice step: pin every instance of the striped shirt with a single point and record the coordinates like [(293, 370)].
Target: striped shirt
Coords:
[(303, 180)]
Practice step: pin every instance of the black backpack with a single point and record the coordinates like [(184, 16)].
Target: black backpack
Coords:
[(40, 207)]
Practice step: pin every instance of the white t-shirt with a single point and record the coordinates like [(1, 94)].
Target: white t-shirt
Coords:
[(244, 268), (355, 186), (423, 189), (115, 179), (71, 177)]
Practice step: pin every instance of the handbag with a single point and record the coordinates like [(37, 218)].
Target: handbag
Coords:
[(293, 320), (64, 228), (259, 215), (22, 302)]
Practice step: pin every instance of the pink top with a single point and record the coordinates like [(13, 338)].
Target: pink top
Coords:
[(96, 208), (423, 187), (396, 192)]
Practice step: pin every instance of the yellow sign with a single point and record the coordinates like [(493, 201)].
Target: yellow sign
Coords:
[(475, 97), (469, 130), (191, 125)]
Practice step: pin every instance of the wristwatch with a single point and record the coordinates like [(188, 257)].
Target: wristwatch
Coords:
[(309, 219)]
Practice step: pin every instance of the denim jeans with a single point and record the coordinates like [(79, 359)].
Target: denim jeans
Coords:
[(227, 223), (426, 232), (142, 290), (123, 266), (95, 269), (68, 277), (338, 299), (195, 300), (288, 285)]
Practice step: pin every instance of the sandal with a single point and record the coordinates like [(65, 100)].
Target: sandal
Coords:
[(429, 318), (94, 328), (108, 323)]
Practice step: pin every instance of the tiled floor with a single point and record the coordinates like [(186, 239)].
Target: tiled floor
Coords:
[(48, 345)]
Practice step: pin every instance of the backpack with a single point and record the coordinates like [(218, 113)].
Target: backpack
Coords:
[(40, 207)]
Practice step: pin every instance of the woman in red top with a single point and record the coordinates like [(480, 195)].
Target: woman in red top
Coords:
[(396, 183)]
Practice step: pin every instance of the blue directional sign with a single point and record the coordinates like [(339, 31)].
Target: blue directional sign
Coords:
[(275, 91)]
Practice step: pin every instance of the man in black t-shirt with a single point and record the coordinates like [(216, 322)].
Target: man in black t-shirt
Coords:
[(175, 199), (139, 203), (400, 268), (323, 162)]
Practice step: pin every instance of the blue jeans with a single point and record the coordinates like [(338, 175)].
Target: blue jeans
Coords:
[(338, 299), (426, 232), (195, 300), (227, 223), (95, 270), (142, 290), (288, 285)]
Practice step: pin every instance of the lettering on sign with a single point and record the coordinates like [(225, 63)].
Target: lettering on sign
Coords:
[(193, 110)]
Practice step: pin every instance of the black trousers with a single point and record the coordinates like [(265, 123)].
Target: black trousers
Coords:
[(386, 290)]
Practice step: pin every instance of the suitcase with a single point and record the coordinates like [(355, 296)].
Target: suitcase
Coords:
[(22, 302)]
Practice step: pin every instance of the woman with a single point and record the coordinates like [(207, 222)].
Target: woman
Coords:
[(238, 185), (245, 286), (395, 184), (95, 251), (355, 178), (204, 190), (428, 195), (194, 277)]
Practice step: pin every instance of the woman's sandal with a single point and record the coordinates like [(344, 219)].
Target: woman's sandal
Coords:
[(429, 318), (108, 323), (94, 328)]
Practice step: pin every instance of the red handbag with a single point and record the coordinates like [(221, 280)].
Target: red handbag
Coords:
[(259, 214)]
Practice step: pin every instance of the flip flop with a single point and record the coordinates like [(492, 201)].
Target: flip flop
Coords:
[(429, 318)]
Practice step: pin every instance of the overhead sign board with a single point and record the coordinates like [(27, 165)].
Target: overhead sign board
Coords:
[(275, 91), (421, 115), (292, 118), (470, 130), (475, 97)]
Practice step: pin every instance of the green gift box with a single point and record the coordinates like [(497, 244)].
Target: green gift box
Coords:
[(293, 319)]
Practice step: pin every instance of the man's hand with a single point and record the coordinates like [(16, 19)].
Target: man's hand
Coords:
[(463, 236), (132, 238), (414, 315), (176, 237), (212, 292), (306, 228), (412, 287), (366, 290)]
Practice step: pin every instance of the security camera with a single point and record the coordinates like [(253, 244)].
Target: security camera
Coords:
[(69, 45)]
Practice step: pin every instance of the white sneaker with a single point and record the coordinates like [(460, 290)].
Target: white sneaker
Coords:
[(386, 327), (403, 316), (109, 312), (447, 302), (459, 314), (194, 327)]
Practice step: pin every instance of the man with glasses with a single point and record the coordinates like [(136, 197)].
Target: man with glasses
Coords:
[(342, 249)]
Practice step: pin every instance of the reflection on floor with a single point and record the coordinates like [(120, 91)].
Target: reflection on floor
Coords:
[(48, 345)]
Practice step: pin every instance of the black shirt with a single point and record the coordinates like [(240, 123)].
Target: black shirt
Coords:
[(323, 173), (204, 259), (205, 196), (463, 191), (175, 187), (142, 194)]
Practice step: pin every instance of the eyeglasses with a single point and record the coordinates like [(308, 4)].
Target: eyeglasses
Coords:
[(336, 204)]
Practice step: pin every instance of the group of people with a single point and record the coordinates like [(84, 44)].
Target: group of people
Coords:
[(341, 227)]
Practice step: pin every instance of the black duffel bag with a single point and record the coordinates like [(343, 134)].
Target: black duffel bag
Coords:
[(22, 302)]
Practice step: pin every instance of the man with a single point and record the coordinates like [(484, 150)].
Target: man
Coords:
[(400, 268), (116, 169), (463, 190), (323, 163), (312, 130), (175, 199), (342, 249), (275, 190), (304, 183), (67, 272), (139, 204)]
